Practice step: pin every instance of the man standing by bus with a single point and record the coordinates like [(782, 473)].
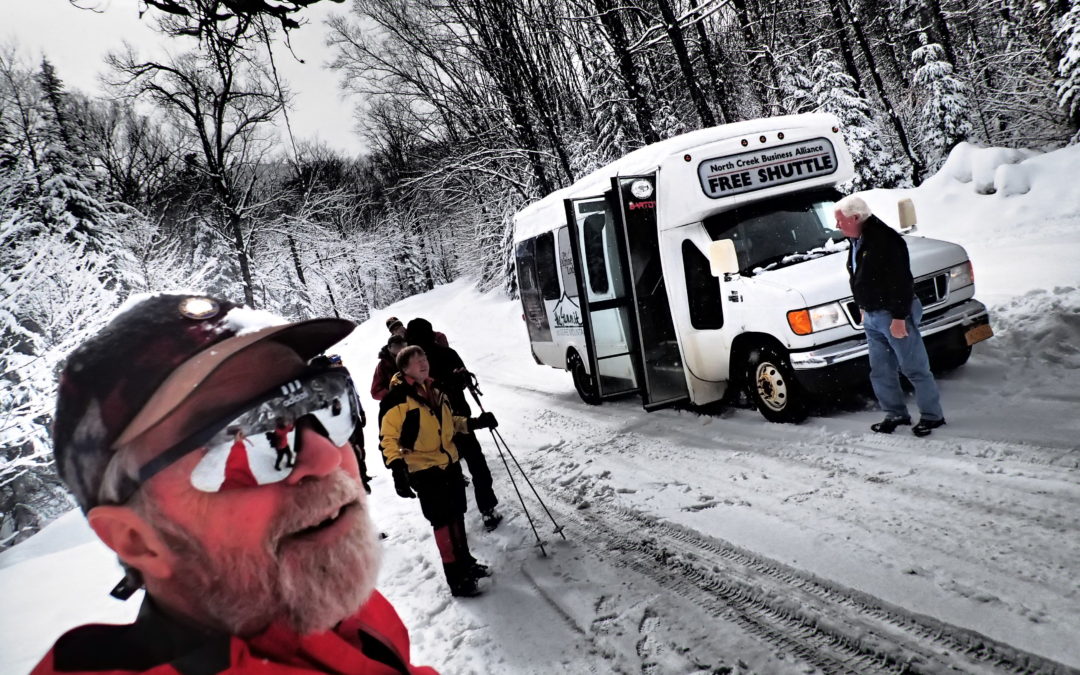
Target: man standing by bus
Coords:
[(884, 290)]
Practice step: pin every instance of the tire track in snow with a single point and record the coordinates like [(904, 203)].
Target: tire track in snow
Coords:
[(828, 626)]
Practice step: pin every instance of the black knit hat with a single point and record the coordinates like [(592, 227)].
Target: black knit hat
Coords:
[(124, 380)]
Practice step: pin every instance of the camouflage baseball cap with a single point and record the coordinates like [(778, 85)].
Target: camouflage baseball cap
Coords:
[(145, 363)]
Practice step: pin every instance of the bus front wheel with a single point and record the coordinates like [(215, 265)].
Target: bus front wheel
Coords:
[(771, 386), (583, 381)]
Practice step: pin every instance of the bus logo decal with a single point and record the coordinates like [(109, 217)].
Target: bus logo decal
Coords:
[(758, 169), (567, 317)]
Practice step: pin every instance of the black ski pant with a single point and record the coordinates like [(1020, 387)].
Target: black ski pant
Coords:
[(441, 493), (357, 442), (473, 455)]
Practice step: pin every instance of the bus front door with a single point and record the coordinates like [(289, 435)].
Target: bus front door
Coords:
[(606, 304), (659, 356)]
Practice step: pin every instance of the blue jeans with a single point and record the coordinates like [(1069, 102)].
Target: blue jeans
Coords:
[(889, 356)]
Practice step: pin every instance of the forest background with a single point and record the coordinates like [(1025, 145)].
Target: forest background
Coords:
[(186, 173)]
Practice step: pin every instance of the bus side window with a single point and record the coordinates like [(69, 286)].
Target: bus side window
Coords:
[(702, 289), (526, 266), (547, 273), (594, 253), (566, 263)]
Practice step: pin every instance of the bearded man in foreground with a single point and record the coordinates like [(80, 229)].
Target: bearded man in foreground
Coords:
[(250, 566)]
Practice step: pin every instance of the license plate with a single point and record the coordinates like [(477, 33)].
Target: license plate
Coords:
[(978, 333)]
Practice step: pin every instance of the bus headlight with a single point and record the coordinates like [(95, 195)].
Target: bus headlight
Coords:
[(822, 317), (962, 275)]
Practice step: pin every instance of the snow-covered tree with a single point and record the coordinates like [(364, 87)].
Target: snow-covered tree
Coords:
[(796, 87), (945, 114), (1068, 33), (834, 90), (62, 271)]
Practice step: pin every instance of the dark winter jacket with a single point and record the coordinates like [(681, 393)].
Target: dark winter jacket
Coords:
[(417, 424), (447, 368), (371, 642), (448, 371), (882, 278), (380, 382)]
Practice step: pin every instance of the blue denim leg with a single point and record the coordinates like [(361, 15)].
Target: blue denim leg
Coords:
[(910, 355), (884, 368)]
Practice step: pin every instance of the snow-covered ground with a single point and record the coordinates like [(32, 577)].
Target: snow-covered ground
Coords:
[(724, 543)]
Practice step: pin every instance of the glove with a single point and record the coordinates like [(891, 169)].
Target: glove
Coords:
[(401, 479), (363, 420), (484, 421), (462, 378)]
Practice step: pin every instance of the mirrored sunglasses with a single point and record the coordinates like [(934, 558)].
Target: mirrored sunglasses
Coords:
[(259, 444)]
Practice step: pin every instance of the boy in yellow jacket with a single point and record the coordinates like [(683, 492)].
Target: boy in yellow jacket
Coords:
[(416, 436)]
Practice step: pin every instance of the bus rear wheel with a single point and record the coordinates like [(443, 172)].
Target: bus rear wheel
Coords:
[(771, 386), (583, 381)]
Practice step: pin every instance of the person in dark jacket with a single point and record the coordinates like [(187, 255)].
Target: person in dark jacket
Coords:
[(883, 288), (451, 377), (275, 574), (417, 431), (380, 381), (394, 325)]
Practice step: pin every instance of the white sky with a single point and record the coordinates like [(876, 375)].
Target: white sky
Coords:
[(77, 40)]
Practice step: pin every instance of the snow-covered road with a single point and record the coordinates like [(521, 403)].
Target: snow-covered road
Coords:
[(722, 543)]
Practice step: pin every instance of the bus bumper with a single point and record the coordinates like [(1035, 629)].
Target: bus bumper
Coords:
[(842, 364)]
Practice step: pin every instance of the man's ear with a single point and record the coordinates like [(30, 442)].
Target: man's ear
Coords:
[(133, 539)]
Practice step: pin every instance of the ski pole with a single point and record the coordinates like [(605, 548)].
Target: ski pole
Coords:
[(474, 389)]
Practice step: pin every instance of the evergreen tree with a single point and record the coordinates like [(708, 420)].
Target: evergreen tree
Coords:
[(52, 87), (945, 113), (796, 87), (1068, 33), (834, 90)]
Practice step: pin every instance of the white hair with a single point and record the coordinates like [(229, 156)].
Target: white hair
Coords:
[(853, 205)]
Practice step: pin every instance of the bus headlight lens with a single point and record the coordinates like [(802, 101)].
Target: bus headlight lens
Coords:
[(961, 275), (822, 317)]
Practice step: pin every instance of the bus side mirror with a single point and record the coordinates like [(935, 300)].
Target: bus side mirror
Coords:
[(907, 215), (722, 258)]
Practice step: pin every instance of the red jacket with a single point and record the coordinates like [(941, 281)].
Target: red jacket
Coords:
[(371, 642), (380, 382), (237, 468)]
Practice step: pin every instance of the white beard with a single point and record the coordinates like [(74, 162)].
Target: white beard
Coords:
[(310, 587)]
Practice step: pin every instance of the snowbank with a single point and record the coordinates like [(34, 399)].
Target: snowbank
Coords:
[(1016, 212)]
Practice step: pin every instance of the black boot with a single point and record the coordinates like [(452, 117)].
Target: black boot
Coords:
[(462, 583), (492, 518), (889, 424), (924, 427)]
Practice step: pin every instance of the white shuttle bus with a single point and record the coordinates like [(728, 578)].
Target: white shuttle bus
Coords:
[(708, 261)]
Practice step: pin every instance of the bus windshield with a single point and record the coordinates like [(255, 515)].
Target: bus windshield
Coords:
[(780, 232)]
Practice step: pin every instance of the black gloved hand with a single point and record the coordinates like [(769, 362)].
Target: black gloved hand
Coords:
[(484, 421), (363, 420), (401, 479)]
